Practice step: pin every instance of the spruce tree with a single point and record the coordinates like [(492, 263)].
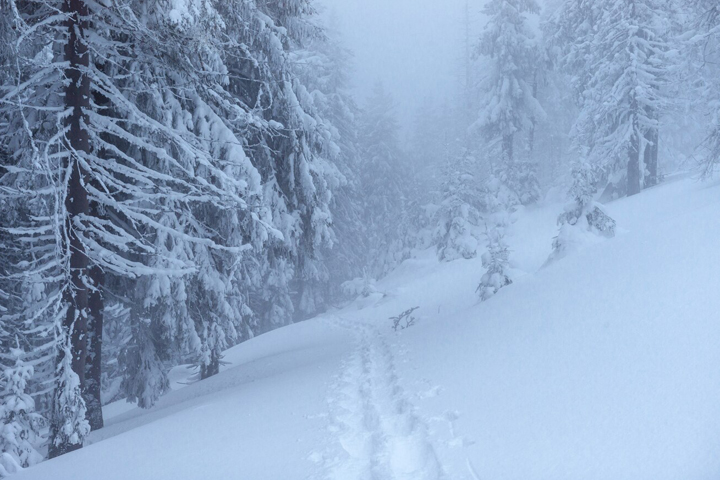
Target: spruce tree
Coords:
[(324, 67), (458, 215), (620, 54), (499, 203), (509, 106), (583, 215), (705, 45), (99, 153), (180, 182), (20, 425), (384, 182)]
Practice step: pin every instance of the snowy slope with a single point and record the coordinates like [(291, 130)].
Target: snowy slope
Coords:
[(604, 365)]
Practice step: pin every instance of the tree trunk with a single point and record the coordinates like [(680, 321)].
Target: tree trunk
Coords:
[(533, 125), (212, 368), (651, 158), (93, 367), (77, 100), (96, 306), (633, 167), (507, 148)]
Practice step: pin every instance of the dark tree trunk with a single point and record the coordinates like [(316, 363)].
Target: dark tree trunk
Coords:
[(77, 100), (213, 368), (96, 306), (93, 367), (507, 148), (651, 158), (533, 126), (633, 167)]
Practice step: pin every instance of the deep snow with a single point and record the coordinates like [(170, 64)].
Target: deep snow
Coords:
[(603, 365)]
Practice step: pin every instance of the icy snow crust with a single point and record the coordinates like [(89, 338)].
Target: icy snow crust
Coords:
[(603, 365)]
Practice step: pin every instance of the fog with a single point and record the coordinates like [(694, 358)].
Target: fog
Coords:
[(414, 47), (211, 246)]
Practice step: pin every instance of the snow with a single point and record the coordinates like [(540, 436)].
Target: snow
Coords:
[(602, 365)]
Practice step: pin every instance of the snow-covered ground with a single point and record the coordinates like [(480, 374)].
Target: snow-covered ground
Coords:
[(604, 365)]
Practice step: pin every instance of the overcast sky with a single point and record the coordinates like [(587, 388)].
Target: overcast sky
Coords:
[(413, 46)]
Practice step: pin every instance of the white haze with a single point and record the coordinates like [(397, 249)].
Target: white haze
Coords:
[(414, 47)]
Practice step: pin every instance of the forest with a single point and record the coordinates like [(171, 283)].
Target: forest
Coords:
[(180, 177)]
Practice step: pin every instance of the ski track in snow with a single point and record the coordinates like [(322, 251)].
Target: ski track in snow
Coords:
[(380, 435)]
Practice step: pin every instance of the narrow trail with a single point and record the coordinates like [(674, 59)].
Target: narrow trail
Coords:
[(380, 435)]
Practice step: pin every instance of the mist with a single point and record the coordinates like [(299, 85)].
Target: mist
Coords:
[(415, 48), (359, 239)]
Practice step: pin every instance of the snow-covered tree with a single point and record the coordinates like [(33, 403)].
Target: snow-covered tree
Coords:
[(116, 335), (68, 422), (583, 215), (496, 262), (705, 46), (324, 67), (144, 374), (384, 182), (292, 149), (499, 205), (620, 53), (361, 286), (458, 215), (107, 130), (20, 424), (431, 133), (509, 106)]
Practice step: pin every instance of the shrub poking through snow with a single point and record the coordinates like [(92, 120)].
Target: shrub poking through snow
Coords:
[(496, 261), (68, 420), (583, 215), (21, 425), (404, 320), (500, 205), (361, 286)]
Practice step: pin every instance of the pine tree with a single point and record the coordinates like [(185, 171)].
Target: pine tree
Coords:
[(144, 373), (499, 203), (467, 101), (706, 25), (128, 146), (384, 182), (458, 215), (496, 262), (292, 153), (183, 175), (583, 215), (509, 106), (620, 53), (68, 423), (116, 335), (20, 430), (323, 66)]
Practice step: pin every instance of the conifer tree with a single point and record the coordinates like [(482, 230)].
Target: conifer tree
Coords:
[(509, 106), (324, 67), (98, 154), (20, 424), (458, 215), (166, 160), (706, 23), (583, 215), (620, 54), (383, 182), (499, 204)]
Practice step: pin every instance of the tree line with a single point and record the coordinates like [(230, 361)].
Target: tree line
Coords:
[(178, 176)]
